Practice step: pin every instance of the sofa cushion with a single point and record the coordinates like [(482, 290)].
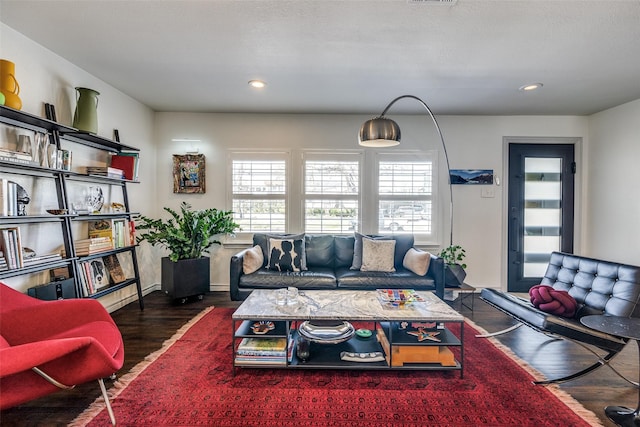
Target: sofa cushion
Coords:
[(377, 255), (262, 239), (400, 279), (319, 250), (343, 248), (357, 248), (319, 278), (286, 254), (553, 301), (404, 242), (252, 260), (417, 261)]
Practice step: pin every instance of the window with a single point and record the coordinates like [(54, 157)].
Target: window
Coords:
[(405, 194), (331, 193), (259, 191), (336, 192)]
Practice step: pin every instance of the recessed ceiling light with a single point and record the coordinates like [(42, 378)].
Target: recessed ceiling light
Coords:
[(258, 84), (530, 86)]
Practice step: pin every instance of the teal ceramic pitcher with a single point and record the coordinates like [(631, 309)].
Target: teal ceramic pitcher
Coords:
[(86, 114)]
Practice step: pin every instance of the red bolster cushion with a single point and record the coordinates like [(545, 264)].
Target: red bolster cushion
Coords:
[(553, 301)]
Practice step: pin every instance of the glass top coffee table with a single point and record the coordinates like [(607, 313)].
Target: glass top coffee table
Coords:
[(368, 333)]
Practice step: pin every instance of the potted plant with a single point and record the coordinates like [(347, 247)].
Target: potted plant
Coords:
[(454, 273), (187, 235)]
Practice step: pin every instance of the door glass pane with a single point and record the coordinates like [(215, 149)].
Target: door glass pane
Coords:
[(542, 213)]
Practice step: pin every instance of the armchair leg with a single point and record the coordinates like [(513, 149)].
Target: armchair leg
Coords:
[(503, 331), (106, 401)]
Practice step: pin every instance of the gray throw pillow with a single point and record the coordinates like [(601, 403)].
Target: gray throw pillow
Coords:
[(377, 255)]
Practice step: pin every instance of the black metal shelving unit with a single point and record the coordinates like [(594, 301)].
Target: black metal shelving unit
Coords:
[(56, 132)]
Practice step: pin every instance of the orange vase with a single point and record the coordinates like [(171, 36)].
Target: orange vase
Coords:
[(9, 85)]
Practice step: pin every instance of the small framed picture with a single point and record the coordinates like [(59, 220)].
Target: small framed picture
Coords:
[(188, 173), (472, 176)]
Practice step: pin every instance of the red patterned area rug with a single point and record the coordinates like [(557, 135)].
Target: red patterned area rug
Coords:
[(189, 382)]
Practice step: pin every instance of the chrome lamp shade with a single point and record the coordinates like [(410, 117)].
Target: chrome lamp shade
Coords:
[(379, 132)]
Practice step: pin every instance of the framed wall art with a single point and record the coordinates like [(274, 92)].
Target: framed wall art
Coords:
[(472, 176), (188, 173)]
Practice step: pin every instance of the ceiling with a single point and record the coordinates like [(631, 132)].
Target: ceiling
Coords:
[(350, 56)]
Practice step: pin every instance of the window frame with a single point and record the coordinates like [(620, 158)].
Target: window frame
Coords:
[(368, 183), (250, 156), (329, 156)]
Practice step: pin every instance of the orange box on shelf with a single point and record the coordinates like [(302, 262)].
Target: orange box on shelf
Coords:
[(401, 354)]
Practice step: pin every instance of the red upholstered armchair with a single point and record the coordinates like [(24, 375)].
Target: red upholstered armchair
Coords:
[(49, 345)]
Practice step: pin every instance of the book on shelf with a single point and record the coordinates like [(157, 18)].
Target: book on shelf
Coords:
[(92, 246), (263, 344), (31, 261), (8, 198), (100, 228), (114, 268), (241, 362), (120, 230), (16, 157), (128, 162), (99, 274), (106, 171), (11, 246), (93, 276)]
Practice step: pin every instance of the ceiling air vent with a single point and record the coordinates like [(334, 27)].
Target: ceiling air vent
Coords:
[(434, 2)]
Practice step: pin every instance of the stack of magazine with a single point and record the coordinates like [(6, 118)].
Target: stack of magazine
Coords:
[(262, 351)]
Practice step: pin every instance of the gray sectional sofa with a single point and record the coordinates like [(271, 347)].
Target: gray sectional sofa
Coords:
[(329, 261)]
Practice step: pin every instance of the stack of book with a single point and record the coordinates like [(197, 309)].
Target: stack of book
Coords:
[(129, 162), (262, 351), (107, 171), (121, 231), (93, 245), (16, 157), (31, 261)]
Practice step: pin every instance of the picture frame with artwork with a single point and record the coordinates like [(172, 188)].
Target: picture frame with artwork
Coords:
[(471, 176), (189, 173)]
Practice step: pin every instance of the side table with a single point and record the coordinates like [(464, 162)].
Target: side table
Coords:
[(626, 327), (466, 291)]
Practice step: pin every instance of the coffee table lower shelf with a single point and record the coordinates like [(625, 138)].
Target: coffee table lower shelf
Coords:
[(406, 352)]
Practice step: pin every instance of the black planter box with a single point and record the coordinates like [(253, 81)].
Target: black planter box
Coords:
[(454, 276), (185, 278)]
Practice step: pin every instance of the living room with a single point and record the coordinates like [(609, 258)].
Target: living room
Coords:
[(606, 143)]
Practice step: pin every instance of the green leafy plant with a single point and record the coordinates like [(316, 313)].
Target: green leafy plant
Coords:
[(187, 234), (453, 255)]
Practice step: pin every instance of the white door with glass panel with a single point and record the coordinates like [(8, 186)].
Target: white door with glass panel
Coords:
[(541, 201)]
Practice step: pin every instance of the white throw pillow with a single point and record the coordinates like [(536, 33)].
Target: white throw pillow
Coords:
[(287, 255), (377, 255), (417, 261), (252, 259)]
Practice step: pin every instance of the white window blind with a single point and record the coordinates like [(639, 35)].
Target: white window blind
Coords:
[(405, 192), (332, 192), (259, 190)]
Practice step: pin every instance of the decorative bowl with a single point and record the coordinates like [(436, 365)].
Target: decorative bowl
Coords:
[(57, 211)]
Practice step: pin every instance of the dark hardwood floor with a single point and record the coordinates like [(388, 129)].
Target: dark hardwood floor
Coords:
[(145, 331)]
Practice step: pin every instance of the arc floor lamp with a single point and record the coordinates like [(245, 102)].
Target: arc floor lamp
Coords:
[(383, 132)]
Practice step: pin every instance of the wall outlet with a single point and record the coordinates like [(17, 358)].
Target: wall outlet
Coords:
[(488, 192)]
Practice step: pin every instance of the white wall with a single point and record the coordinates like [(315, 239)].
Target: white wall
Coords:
[(607, 213), (612, 226), (45, 77), (472, 142)]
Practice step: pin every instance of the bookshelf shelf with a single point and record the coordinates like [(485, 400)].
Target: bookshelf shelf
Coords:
[(12, 165)]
